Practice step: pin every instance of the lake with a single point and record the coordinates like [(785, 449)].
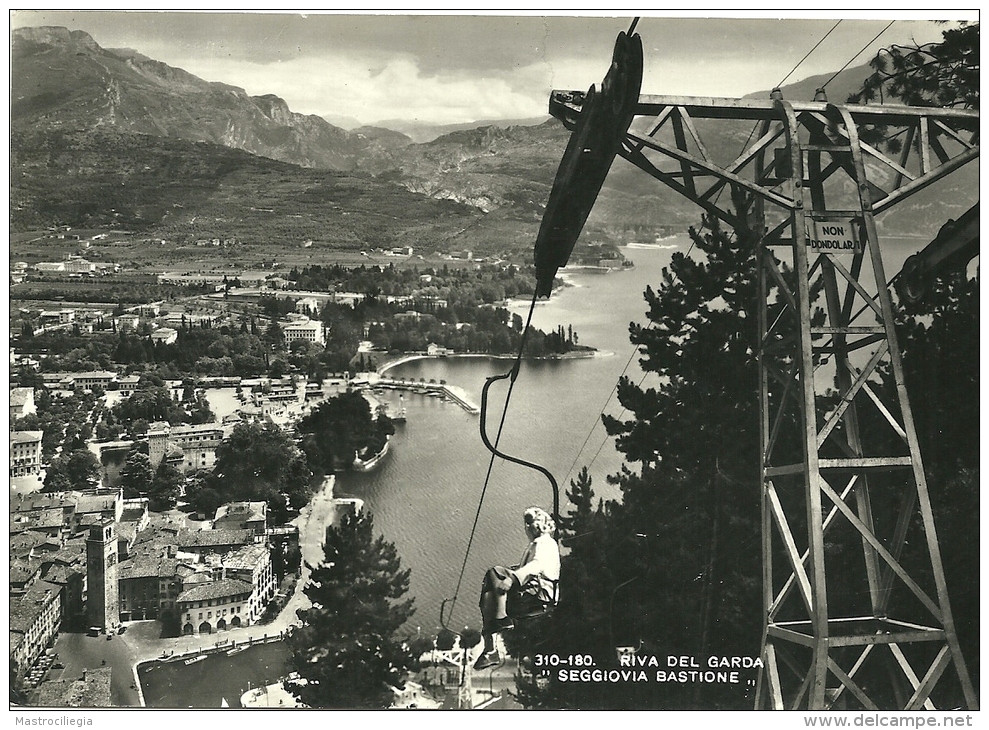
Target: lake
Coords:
[(426, 493)]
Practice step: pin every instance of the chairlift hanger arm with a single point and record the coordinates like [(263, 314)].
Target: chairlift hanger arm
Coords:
[(956, 244)]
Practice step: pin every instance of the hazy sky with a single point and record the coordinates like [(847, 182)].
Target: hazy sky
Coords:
[(458, 68)]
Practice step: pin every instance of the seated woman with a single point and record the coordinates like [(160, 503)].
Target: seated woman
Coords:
[(520, 589)]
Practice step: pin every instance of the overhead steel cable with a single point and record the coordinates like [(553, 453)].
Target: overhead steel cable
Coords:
[(807, 55), (513, 373), (874, 38), (650, 325)]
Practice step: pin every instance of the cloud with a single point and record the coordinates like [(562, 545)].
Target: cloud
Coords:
[(372, 88)]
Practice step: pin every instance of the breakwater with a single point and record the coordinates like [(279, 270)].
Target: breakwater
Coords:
[(452, 393)]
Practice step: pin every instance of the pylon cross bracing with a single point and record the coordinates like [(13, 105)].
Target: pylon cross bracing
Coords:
[(840, 460)]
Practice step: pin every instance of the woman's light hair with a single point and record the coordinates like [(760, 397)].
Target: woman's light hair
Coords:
[(540, 520)]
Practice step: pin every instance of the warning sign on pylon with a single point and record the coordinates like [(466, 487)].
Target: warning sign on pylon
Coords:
[(837, 235)]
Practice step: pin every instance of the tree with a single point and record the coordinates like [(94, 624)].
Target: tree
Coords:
[(136, 475), (259, 462), (56, 480), (934, 74), (81, 469), (939, 340), (200, 493), (340, 428), (663, 567), (346, 651), (273, 335), (165, 487), (944, 74)]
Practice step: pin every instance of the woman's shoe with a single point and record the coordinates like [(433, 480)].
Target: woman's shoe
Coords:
[(488, 659)]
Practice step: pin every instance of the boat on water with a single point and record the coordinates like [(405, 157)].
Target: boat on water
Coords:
[(197, 658), (236, 650), (400, 416), (365, 465)]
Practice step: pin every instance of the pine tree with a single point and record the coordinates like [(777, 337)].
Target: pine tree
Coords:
[(942, 74), (346, 651), (674, 567)]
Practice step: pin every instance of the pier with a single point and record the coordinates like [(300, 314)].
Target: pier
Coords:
[(452, 393)]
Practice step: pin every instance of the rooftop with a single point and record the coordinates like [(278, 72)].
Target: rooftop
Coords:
[(25, 437), (90, 690), (24, 610), (147, 566), (19, 396), (247, 556), (62, 574), (217, 589), (72, 553), (42, 519), (39, 501), (98, 374), (197, 428), (213, 538), (241, 511), (86, 503), (133, 514), (28, 540), (22, 569)]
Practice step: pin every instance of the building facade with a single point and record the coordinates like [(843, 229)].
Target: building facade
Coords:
[(308, 331), (252, 564), (35, 618), (165, 336), (215, 606), (25, 452), (197, 443), (148, 586)]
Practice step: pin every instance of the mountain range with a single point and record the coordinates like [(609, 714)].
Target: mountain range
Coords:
[(110, 137)]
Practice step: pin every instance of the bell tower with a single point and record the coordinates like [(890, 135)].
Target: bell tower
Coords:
[(102, 603)]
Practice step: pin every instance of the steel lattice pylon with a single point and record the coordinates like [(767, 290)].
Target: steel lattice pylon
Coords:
[(840, 460)]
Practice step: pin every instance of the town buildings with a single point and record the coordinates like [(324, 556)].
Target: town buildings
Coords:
[(90, 690), (252, 565), (165, 336), (128, 322), (35, 617), (25, 452), (214, 606), (252, 516), (304, 329), (21, 403), (97, 559), (187, 447)]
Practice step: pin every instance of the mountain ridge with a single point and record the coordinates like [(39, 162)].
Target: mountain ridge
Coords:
[(65, 85)]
